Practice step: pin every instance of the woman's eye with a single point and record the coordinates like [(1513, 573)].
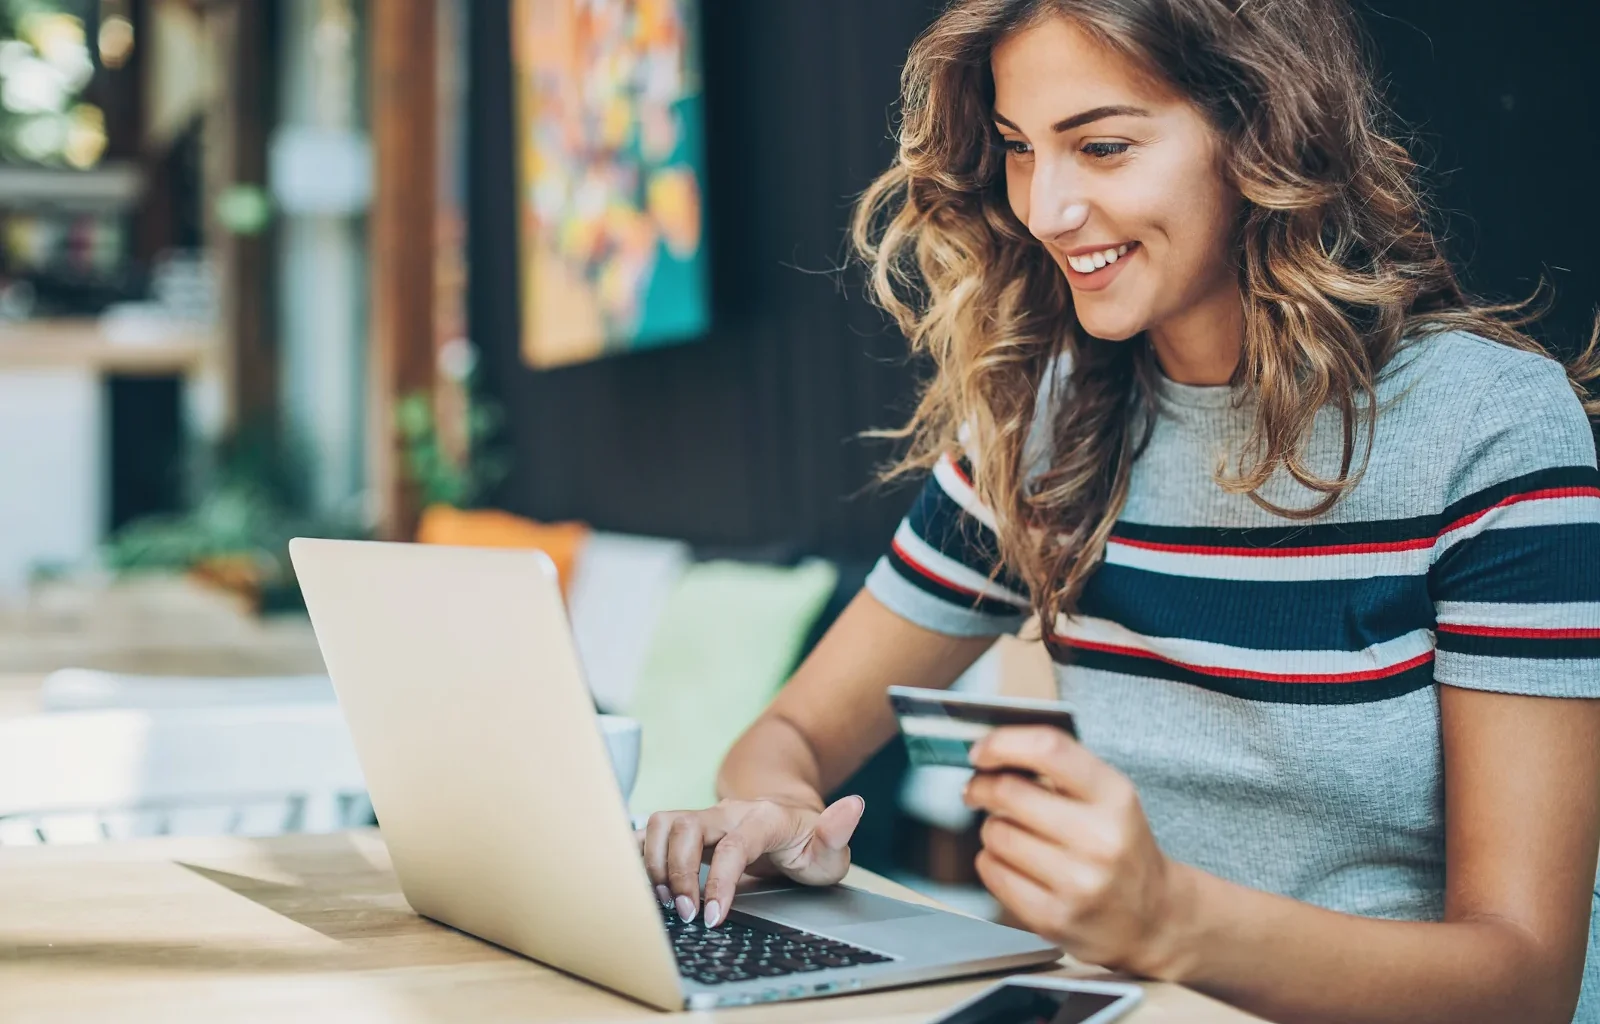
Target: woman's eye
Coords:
[(1102, 150), (1015, 147)]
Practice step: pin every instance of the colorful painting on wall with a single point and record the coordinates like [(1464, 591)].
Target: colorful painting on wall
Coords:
[(610, 175)]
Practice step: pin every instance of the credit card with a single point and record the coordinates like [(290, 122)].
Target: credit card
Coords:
[(940, 727)]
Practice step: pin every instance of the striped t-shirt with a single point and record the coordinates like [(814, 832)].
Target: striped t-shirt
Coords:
[(1270, 685)]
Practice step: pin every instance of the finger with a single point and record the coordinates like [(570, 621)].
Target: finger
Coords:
[(1034, 907), (838, 821), (685, 849), (1020, 800), (714, 823), (1049, 753), (826, 856), (752, 837), (655, 851), (1050, 866)]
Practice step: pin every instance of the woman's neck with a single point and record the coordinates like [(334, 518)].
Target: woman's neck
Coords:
[(1201, 345)]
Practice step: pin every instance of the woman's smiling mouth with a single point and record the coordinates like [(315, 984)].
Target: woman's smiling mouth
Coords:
[(1091, 269), (1088, 261)]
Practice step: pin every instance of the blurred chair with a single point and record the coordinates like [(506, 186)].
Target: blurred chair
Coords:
[(620, 587), (492, 528), (729, 635), (90, 776)]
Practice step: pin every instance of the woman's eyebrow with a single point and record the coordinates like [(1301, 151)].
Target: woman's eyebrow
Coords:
[(1066, 124)]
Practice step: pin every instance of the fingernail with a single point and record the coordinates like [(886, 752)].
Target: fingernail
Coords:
[(685, 908), (713, 913), (663, 896)]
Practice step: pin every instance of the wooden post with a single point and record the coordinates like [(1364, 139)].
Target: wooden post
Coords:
[(451, 399), (402, 223), (236, 153)]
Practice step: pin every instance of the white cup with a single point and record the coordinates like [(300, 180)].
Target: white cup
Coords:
[(622, 743)]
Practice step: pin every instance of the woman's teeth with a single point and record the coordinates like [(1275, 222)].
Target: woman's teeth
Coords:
[(1095, 260)]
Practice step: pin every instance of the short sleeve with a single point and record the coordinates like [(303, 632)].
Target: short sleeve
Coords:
[(1515, 578), (942, 570)]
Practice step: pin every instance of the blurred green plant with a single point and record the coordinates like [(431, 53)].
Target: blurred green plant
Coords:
[(253, 500), (238, 531), (440, 477), (244, 209)]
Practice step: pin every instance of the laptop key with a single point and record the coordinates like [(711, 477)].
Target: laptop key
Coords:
[(738, 950)]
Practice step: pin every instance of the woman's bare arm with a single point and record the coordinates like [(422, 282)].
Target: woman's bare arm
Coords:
[(832, 716), (1522, 826)]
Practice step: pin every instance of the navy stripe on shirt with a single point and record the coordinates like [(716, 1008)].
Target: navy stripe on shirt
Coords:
[(1414, 677)]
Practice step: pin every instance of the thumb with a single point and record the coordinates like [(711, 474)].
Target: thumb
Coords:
[(837, 823)]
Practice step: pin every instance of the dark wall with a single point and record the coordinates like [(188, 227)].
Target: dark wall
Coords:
[(748, 437), (1505, 104), (745, 438)]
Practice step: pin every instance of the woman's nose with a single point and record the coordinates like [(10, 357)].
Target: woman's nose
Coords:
[(1054, 217)]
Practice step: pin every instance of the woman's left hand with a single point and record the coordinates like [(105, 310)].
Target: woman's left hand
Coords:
[(1067, 849)]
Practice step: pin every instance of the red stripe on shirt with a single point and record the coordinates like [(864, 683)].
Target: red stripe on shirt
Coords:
[(1520, 632), (1332, 549), (1266, 677), (905, 556), (960, 473), (1516, 499), (1382, 547)]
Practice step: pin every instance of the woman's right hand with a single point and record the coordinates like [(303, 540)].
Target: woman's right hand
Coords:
[(760, 836)]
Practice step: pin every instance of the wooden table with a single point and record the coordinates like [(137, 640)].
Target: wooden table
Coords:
[(313, 928), (148, 625)]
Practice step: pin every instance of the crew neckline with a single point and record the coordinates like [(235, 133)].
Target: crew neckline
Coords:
[(1221, 396), (1194, 396)]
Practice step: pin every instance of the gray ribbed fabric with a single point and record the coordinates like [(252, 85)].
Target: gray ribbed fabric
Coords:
[(1473, 538)]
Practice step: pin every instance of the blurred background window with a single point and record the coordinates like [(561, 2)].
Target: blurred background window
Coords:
[(69, 102)]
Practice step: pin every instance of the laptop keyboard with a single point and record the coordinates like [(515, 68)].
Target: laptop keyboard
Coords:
[(745, 949)]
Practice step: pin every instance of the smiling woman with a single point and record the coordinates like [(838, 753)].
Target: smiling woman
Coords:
[(1100, 182), (1313, 534), (1241, 162)]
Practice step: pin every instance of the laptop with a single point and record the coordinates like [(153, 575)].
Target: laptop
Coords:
[(458, 678)]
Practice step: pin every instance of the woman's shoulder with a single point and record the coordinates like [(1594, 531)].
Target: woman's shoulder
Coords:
[(1461, 372), (1465, 365), (1506, 411)]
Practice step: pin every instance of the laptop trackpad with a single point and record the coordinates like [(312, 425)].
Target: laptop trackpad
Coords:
[(823, 910)]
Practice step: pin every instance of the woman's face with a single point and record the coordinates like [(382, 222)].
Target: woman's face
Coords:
[(1117, 176)]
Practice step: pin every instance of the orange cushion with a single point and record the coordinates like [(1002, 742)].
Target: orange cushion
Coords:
[(492, 528)]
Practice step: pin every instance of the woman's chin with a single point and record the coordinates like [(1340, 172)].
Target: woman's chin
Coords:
[(1110, 328)]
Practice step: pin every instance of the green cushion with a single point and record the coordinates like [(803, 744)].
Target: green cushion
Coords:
[(727, 639)]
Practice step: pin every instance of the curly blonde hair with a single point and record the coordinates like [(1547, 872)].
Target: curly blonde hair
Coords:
[(1337, 267)]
